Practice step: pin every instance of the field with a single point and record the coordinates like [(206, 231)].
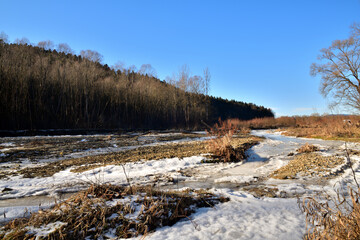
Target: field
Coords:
[(159, 185)]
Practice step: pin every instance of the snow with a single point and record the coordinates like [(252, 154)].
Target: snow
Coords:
[(243, 217), (69, 181), (43, 231), (7, 144), (9, 213), (236, 179)]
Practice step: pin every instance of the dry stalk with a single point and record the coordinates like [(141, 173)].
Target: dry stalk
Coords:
[(87, 214), (220, 144), (331, 218)]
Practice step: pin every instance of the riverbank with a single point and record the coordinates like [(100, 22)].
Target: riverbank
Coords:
[(260, 206)]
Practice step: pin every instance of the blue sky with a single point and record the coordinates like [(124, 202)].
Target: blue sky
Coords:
[(257, 51)]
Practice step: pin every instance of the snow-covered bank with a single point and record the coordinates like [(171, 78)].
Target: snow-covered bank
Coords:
[(243, 217), (66, 180)]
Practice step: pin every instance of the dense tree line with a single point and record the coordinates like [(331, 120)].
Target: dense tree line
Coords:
[(41, 88)]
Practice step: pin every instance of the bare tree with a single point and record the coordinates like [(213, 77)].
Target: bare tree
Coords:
[(355, 29), (131, 68), (119, 66), (65, 48), (183, 78), (171, 80), (196, 85), (4, 37), (47, 45), (22, 41), (339, 70), (91, 55), (147, 69), (207, 77)]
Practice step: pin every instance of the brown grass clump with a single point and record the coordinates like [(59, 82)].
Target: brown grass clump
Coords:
[(128, 212), (307, 165), (334, 219), (307, 148), (221, 145)]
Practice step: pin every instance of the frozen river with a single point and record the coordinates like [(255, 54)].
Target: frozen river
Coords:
[(244, 217)]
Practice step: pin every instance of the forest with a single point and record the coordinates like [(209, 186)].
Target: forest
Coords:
[(43, 88)]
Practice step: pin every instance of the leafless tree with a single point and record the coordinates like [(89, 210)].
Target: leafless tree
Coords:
[(207, 77), (22, 41), (339, 70), (196, 84), (183, 78), (147, 69), (131, 68), (119, 66), (355, 29), (47, 45), (91, 55), (4, 37), (65, 48)]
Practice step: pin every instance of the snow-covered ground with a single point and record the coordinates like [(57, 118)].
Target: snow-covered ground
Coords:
[(244, 217)]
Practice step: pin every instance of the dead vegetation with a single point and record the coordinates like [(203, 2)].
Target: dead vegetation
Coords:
[(82, 164), (54, 147), (223, 146), (337, 217), (307, 148), (103, 209), (334, 219), (239, 144), (308, 164), (329, 127)]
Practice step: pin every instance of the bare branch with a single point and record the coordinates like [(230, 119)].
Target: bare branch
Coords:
[(339, 68), (91, 55)]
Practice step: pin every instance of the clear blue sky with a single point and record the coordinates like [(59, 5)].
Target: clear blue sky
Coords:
[(257, 51)]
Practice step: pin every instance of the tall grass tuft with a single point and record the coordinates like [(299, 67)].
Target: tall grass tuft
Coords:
[(220, 144), (335, 219)]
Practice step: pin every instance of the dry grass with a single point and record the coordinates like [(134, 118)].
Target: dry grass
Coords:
[(103, 208), (82, 164), (332, 127), (307, 148), (307, 165), (334, 219), (221, 145)]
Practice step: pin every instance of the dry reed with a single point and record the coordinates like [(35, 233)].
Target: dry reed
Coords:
[(102, 208)]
